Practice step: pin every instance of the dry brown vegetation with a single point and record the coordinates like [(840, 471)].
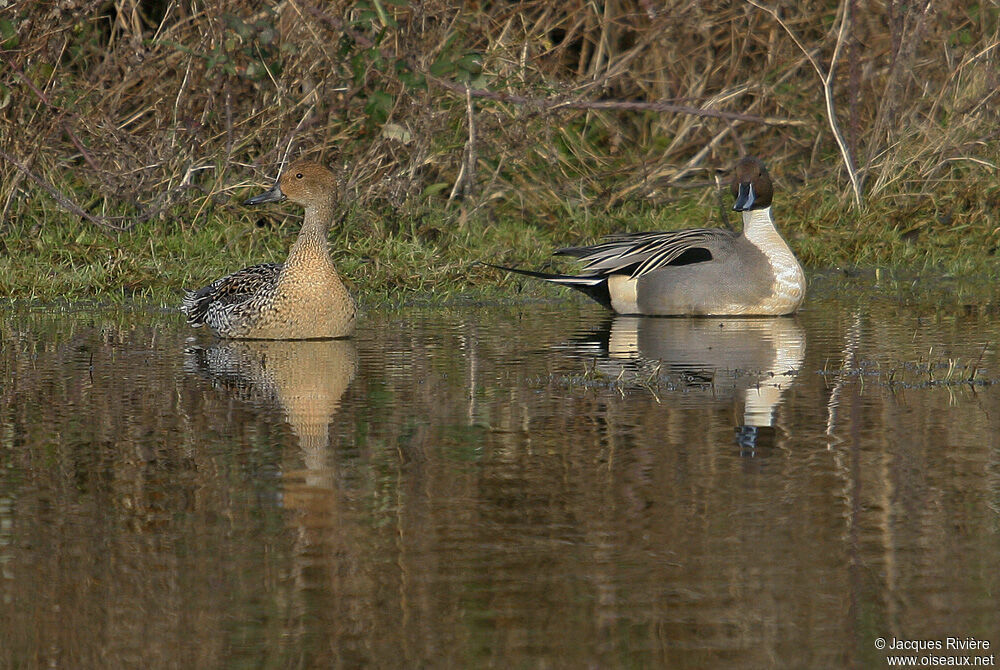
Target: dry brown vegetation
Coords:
[(132, 108)]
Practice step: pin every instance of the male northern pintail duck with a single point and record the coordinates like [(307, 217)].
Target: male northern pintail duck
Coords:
[(301, 299), (697, 272)]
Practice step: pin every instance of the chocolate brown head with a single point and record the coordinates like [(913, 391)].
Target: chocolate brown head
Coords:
[(751, 185)]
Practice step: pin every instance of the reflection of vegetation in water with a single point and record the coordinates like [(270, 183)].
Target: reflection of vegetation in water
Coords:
[(473, 505), (719, 357), (477, 506), (912, 331), (652, 377), (932, 372)]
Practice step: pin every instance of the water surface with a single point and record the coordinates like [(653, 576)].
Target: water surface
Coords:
[(531, 485)]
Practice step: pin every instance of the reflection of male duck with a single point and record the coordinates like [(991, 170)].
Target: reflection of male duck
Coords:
[(753, 360), (306, 379)]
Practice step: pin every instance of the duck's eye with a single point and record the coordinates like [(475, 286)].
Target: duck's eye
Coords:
[(298, 175)]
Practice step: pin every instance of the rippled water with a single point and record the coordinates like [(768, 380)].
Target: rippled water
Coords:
[(537, 485)]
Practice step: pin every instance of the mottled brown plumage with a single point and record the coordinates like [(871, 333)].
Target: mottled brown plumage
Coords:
[(303, 298)]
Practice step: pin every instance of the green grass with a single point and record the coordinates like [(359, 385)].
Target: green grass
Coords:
[(222, 95), (430, 252)]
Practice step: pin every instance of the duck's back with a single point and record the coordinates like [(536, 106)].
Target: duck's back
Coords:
[(735, 281), (232, 306)]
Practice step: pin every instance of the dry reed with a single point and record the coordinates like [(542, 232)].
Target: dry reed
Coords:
[(128, 109)]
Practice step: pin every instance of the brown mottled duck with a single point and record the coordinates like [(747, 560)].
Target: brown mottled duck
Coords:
[(300, 299)]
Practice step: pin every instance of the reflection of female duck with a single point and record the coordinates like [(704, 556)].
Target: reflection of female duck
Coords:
[(754, 360), (305, 379)]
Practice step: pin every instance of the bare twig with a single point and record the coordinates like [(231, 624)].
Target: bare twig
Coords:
[(111, 222), (827, 80), (290, 138), (466, 180), (619, 105), (45, 101), (65, 202), (906, 36)]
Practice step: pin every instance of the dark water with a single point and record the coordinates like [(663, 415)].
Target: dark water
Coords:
[(535, 486)]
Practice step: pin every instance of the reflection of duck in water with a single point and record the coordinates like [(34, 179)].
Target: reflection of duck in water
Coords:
[(753, 360), (306, 379)]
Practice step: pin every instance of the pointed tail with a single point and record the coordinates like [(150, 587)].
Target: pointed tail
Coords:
[(593, 286)]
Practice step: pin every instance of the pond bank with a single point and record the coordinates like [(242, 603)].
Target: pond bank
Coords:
[(394, 256)]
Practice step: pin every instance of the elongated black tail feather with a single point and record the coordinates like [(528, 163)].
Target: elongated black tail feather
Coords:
[(594, 287)]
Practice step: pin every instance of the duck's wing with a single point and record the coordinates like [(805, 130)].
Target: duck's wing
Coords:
[(637, 254), (232, 299)]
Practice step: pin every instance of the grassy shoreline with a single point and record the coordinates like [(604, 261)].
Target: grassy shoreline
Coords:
[(387, 256), (483, 131)]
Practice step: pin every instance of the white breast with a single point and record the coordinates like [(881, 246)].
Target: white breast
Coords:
[(789, 285)]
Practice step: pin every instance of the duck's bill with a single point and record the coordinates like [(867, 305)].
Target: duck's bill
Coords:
[(745, 197), (273, 194)]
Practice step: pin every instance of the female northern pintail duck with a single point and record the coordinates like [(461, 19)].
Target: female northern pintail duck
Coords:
[(697, 272), (301, 299)]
